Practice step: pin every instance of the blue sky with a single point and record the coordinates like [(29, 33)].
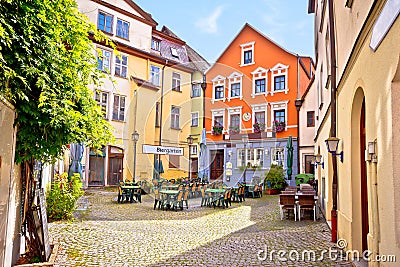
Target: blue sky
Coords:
[(210, 25)]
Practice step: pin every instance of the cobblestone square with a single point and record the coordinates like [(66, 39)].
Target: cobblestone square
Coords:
[(133, 234)]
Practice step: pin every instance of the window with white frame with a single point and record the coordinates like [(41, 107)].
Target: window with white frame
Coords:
[(176, 82), (260, 76), (119, 108), (247, 53), (102, 100), (279, 78), (259, 86), (278, 156), (121, 66), (156, 45), (195, 119), (219, 121), (155, 75), (105, 22), (219, 92), (235, 90), (175, 115), (193, 150), (259, 117), (122, 29), (254, 157), (279, 112), (218, 88), (235, 85), (196, 90), (174, 52), (279, 115), (104, 60)]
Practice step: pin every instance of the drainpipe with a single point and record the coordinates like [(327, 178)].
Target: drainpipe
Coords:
[(298, 103), (161, 113), (333, 120)]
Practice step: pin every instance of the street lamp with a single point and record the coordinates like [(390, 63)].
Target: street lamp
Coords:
[(245, 140), (318, 160), (332, 144), (190, 142), (135, 139)]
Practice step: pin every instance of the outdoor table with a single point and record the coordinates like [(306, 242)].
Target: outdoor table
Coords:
[(297, 195), (215, 190), (169, 194), (172, 187), (132, 189)]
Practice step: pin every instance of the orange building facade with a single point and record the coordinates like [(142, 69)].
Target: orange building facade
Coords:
[(251, 91)]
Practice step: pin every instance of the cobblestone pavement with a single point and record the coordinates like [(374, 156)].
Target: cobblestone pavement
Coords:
[(133, 234)]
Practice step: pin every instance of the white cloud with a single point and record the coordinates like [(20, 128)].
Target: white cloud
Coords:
[(209, 24)]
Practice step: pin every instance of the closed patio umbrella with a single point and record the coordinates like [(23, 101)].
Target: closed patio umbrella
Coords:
[(203, 159), (289, 162), (76, 151), (158, 168)]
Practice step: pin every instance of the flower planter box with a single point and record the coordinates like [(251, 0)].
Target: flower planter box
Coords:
[(272, 191), (50, 262)]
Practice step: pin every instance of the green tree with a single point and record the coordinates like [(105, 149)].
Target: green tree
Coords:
[(47, 65)]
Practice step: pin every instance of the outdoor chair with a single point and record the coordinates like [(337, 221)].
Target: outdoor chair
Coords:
[(227, 197), (193, 191), (158, 199), (177, 201), (185, 199), (138, 195), (306, 202), (287, 202), (241, 193), (123, 194), (204, 198), (235, 195)]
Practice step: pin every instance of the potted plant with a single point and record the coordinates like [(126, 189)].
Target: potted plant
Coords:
[(258, 127), (234, 130), (275, 180), (279, 126), (217, 129)]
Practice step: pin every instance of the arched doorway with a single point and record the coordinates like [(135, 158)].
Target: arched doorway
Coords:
[(359, 182)]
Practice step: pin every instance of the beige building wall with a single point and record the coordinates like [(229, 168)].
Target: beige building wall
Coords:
[(373, 75)]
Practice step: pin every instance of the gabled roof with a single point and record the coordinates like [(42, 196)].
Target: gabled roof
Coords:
[(247, 25), (197, 60)]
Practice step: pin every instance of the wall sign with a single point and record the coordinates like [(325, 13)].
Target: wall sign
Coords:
[(162, 150), (246, 116)]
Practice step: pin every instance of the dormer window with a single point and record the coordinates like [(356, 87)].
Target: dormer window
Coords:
[(156, 45), (247, 54), (279, 79), (174, 52)]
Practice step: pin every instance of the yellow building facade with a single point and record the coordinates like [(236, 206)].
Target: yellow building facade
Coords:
[(148, 90)]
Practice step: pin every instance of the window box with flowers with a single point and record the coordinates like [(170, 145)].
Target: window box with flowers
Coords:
[(234, 129), (217, 129), (279, 126), (258, 127)]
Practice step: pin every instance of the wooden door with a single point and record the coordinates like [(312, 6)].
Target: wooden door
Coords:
[(217, 164), (309, 167), (115, 170), (364, 187), (96, 171)]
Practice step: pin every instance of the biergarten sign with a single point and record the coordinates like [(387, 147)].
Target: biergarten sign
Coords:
[(162, 150)]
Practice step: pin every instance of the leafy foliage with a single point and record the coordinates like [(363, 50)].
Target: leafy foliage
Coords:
[(62, 196), (275, 178), (46, 66)]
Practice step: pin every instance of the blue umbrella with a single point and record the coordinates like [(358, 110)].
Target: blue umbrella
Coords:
[(76, 151)]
